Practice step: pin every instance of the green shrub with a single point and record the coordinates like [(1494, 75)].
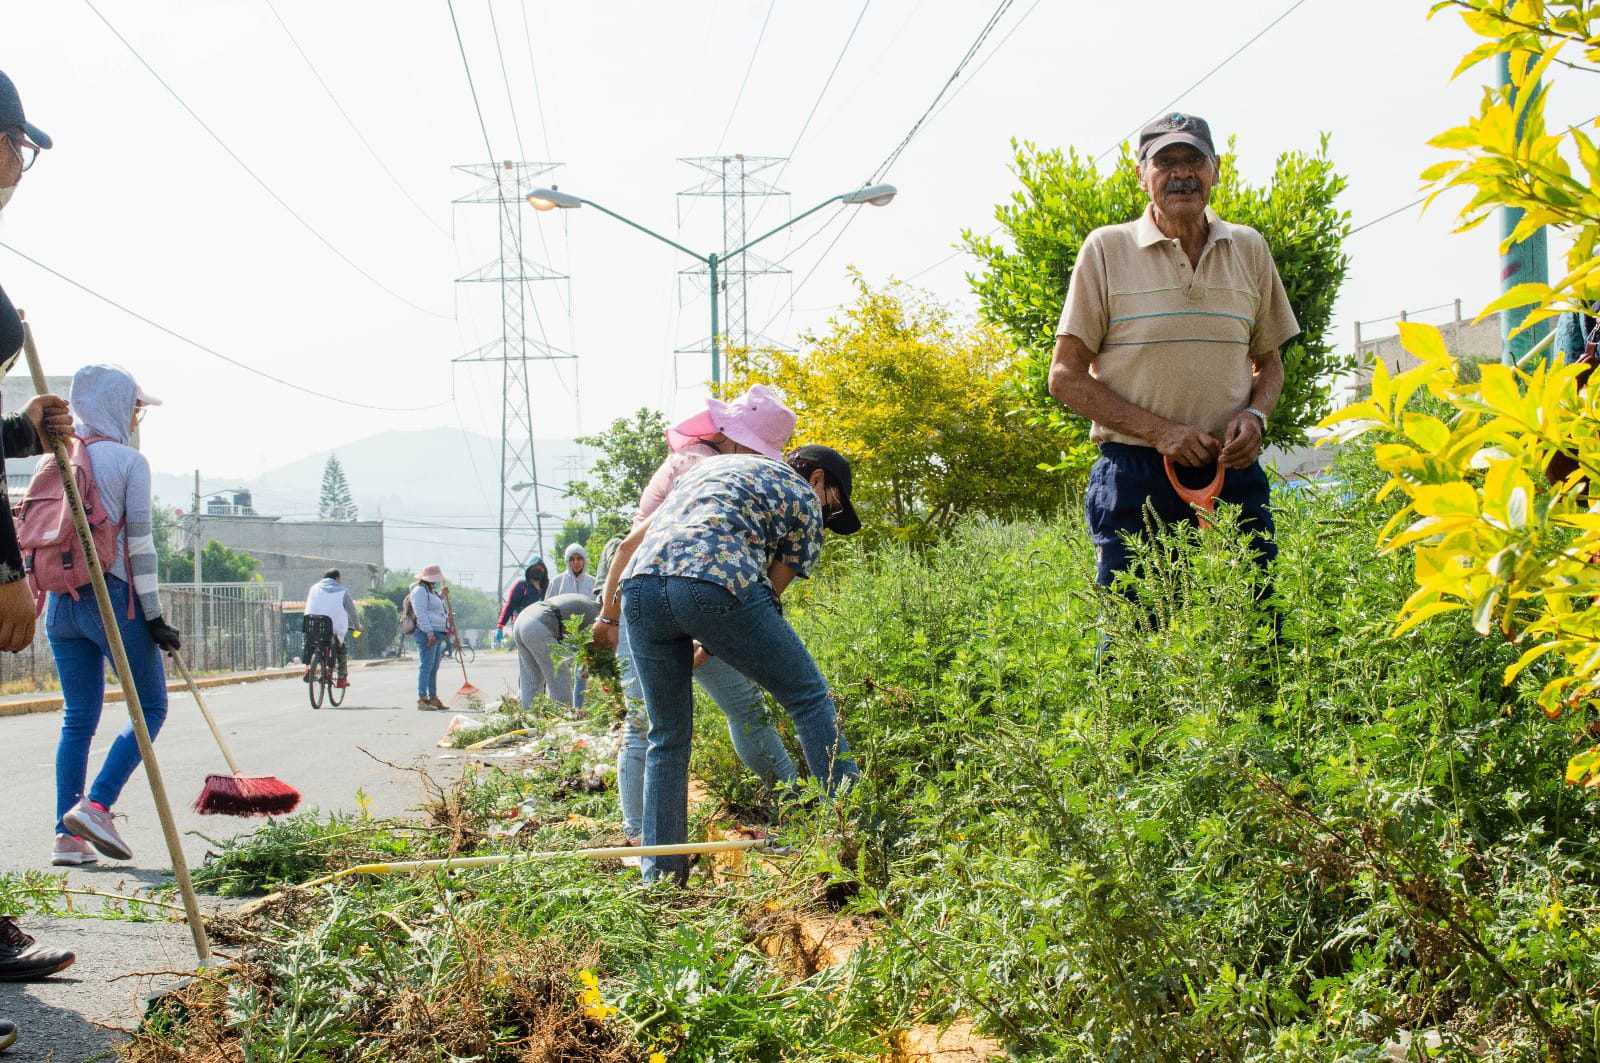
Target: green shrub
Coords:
[(380, 627)]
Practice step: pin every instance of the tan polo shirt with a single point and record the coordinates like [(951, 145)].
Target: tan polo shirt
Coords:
[(1174, 340)]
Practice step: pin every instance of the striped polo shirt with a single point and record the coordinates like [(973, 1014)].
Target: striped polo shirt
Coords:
[(1176, 341)]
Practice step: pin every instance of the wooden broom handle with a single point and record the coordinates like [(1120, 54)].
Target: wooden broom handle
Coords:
[(194, 690), (119, 657)]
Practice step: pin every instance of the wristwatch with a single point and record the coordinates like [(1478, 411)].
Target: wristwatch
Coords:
[(1258, 416)]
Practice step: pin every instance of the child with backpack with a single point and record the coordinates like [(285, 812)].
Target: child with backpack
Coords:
[(115, 481)]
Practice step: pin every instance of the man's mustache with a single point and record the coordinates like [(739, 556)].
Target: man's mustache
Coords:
[(1180, 185)]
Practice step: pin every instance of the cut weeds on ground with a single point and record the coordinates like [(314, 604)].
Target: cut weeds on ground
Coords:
[(1218, 846)]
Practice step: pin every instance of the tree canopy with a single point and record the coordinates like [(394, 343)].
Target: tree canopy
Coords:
[(631, 449), (918, 399)]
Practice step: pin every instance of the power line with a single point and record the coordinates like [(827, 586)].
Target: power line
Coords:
[(1386, 217), (505, 208), (883, 168), (516, 124), (1291, 9), (815, 104), (996, 50), (888, 163), (1170, 104), (197, 345), (739, 96), (351, 122), (253, 175)]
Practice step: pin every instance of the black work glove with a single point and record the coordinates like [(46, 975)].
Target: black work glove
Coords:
[(164, 634)]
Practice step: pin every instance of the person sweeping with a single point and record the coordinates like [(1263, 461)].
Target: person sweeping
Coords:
[(109, 405)]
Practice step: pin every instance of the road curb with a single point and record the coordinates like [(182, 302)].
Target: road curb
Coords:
[(53, 702)]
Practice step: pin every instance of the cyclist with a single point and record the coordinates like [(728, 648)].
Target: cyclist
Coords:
[(330, 598)]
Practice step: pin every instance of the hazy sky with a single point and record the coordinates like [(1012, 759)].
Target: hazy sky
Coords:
[(140, 203)]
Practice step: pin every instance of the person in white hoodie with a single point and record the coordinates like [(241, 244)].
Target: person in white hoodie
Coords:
[(109, 405), (330, 598), (575, 578)]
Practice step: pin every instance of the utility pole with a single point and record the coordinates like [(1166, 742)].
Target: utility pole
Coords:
[(1526, 262), (734, 179), (196, 634), (505, 185)]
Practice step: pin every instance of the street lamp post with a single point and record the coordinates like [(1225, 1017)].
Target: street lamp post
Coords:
[(551, 199)]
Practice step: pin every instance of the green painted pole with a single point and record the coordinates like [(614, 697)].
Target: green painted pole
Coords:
[(1526, 262), (716, 347)]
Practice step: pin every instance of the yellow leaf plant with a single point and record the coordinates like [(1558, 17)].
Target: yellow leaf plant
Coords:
[(1490, 533)]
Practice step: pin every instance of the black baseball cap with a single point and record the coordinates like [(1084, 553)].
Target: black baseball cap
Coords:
[(830, 461), (1176, 128), (11, 114)]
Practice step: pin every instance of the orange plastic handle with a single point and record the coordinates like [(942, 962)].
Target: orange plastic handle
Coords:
[(1204, 497)]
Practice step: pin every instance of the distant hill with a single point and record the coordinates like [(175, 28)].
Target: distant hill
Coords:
[(437, 490)]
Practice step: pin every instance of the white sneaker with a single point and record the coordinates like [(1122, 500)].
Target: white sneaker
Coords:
[(71, 850), (98, 828)]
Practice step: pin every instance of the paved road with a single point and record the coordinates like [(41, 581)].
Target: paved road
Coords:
[(272, 729)]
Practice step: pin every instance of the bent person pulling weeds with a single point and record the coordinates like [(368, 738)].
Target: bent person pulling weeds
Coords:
[(1169, 344), (709, 568)]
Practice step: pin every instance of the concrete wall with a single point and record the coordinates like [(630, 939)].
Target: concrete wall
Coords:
[(297, 552), (1462, 338), (15, 391)]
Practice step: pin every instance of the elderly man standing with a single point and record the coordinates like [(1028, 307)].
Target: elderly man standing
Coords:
[(1169, 344)]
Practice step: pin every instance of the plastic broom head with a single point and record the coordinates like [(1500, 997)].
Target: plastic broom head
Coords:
[(467, 690)]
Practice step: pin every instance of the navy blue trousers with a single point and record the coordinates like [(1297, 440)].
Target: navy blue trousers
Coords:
[(1127, 478)]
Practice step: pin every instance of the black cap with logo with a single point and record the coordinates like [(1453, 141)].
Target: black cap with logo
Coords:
[(830, 461), (1176, 128), (11, 114)]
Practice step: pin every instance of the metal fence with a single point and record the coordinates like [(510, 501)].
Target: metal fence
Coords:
[(230, 627)]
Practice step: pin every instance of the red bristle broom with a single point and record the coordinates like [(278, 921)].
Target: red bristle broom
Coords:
[(237, 794)]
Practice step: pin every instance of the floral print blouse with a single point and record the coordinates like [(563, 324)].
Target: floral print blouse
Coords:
[(727, 519)]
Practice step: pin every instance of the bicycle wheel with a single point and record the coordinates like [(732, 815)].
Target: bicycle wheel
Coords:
[(335, 691), (468, 654), (314, 688)]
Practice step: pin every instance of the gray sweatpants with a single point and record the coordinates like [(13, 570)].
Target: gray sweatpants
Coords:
[(538, 651)]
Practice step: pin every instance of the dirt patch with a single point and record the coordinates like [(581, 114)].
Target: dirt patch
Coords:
[(926, 1044)]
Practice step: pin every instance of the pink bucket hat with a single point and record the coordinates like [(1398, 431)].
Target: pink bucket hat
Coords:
[(756, 419), (432, 574)]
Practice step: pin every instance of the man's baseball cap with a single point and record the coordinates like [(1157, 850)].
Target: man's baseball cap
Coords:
[(11, 114), (1176, 128), (844, 522)]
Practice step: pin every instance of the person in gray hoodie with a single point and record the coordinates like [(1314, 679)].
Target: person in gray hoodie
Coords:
[(109, 405)]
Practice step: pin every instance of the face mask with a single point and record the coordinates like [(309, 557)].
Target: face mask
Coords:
[(5, 196)]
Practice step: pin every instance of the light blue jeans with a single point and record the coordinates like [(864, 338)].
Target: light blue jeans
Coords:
[(78, 642), (428, 658), (666, 616), (741, 701)]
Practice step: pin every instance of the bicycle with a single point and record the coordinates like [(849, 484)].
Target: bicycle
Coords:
[(322, 681), (468, 654)]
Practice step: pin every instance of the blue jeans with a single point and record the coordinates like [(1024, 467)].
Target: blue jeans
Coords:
[(754, 738), (428, 658), (1126, 479), (78, 642), (666, 615)]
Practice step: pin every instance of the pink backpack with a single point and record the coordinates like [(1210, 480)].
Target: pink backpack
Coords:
[(52, 556)]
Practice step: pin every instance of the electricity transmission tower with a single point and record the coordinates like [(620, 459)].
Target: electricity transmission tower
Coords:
[(505, 185), (735, 179)]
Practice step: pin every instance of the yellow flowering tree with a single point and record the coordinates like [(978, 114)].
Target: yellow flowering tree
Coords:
[(1491, 532), (919, 400)]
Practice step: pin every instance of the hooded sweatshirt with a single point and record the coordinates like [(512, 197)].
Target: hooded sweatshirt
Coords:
[(330, 598), (103, 400), (564, 582)]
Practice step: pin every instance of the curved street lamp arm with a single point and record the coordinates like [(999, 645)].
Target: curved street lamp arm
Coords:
[(649, 232), (773, 232)]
